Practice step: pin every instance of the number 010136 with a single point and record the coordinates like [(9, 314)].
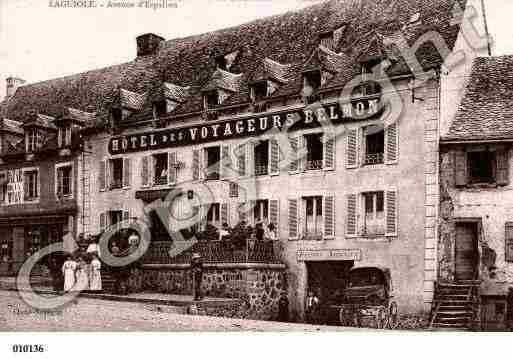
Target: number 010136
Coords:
[(26, 348)]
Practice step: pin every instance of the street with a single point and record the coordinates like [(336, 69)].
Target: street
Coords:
[(99, 315)]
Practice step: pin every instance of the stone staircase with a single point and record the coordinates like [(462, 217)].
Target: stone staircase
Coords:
[(455, 306)]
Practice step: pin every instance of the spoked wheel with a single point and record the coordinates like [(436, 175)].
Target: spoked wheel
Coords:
[(393, 316), (381, 318)]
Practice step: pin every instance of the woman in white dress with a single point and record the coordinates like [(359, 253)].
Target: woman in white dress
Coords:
[(68, 269), (82, 276), (95, 281)]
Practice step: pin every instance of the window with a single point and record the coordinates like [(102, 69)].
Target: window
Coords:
[(259, 91), (374, 216), (261, 211), (160, 108), (212, 160), (211, 99), (367, 88), (3, 187), (214, 214), (30, 179), (313, 216), (326, 40), (262, 158), (374, 144), (314, 154), (64, 136), (34, 140), (161, 169), (311, 83), (116, 173), (221, 62), (115, 217), (481, 166), (116, 116), (64, 181)]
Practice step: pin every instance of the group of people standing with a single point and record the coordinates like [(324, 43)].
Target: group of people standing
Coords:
[(82, 273)]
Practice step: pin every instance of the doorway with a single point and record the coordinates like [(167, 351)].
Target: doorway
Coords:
[(466, 251)]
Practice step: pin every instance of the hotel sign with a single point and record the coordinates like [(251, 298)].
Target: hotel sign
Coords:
[(304, 255), (251, 126)]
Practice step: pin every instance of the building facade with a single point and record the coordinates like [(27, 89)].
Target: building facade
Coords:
[(256, 116)]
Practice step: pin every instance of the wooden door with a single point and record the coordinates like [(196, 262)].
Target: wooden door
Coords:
[(466, 256)]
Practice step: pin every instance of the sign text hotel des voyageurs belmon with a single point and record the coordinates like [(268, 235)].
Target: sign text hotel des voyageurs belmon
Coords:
[(251, 126)]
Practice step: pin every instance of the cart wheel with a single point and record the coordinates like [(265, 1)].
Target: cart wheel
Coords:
[(393, 316), (381, 318)]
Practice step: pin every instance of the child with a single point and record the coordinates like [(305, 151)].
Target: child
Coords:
[(82, 276), (68, 269)]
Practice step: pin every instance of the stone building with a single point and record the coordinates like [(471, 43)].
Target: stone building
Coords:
[(229, 112), (476, 234), (39, 171)]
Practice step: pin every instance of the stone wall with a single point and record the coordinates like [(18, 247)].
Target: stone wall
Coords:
[(258, 285)]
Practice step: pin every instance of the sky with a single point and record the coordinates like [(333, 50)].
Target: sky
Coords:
[(40, 42)]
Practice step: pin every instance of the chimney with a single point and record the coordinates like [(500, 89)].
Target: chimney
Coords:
[(12, 85), (148, 44)]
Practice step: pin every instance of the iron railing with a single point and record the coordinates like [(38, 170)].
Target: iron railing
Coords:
[(314, 165), (261, 170), (215, 252), (374, 158)]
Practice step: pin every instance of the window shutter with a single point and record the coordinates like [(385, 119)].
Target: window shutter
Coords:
[(225, 217), (26, 186), (171, 170), (127, 172), (59, 182), (242, 211), (391, 144), (274, 212), (195, 164), (59, 137), (460, 161), (250, 158), (329, 152), (329, 217), (391, 212), (225, 162), (502, 159), (274, 160), (103, 223), (102, 175), (145, 171), (293, 155), (352, 148), (352, 215), (241, 160), (293, 219), (509, 242)]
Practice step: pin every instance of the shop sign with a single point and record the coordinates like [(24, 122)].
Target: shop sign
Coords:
[(335, 113), (304, 255), (15, 193)]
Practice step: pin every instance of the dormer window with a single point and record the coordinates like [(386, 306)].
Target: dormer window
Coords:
[(326, 40), (34, 140), (211, 100), (160, 108), (311, 84), (64, 136), (221, 62), (259, 91)]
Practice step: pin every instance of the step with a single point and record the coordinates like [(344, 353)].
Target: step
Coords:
[(452, 297), (450, 325)]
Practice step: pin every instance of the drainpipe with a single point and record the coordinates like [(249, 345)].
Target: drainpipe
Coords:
[(483, 10)]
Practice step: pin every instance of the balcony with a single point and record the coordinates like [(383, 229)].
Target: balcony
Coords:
[(311, 236), (261, 170), (259, 106), (312, 98), (210, 115), (214, 252), (211, 176), (374, 158), (313, 165)]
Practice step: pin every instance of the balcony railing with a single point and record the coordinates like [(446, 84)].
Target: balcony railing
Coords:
[(259, 106), (374, 158), (313, 98), (312, 236), (159, 181), (115, 184), (261, 170), (314, 165), (212, 176), (215, 252)]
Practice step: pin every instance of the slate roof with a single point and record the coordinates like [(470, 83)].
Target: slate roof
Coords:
[(486, 110), (287, 39)]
